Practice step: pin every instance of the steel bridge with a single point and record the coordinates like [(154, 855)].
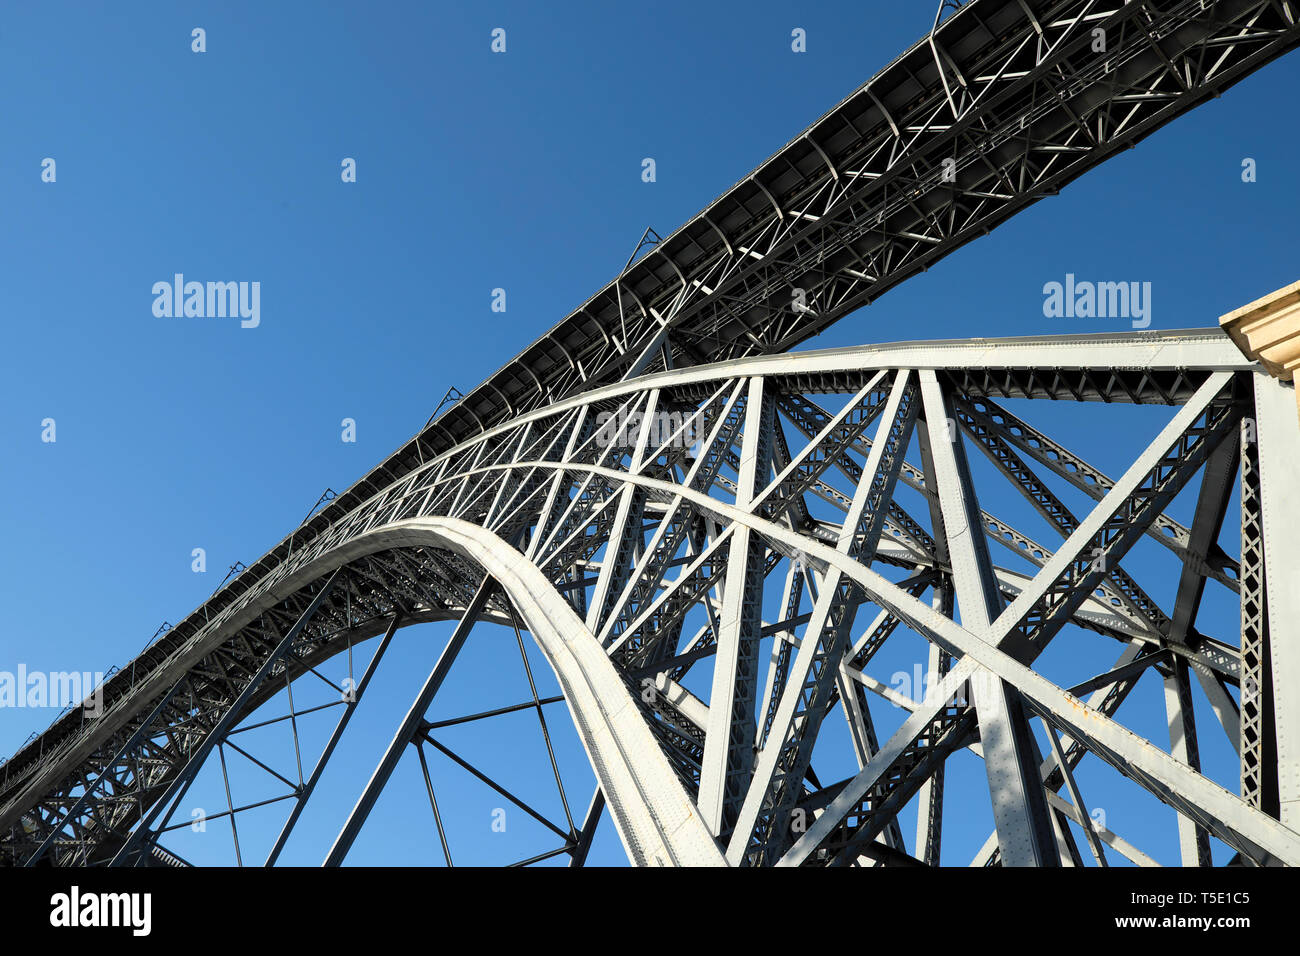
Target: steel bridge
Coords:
[(659, 482)]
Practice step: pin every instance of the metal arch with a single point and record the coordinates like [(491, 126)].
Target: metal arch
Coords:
[(453, 517), (657, 823), (1035, 110), (1027, 77)]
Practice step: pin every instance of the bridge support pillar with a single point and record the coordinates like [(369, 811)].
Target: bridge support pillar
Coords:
[(1268, 331), (1279, 452)]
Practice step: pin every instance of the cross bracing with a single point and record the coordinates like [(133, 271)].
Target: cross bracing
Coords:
[(656, 549), (1010, 91), (798, 514)]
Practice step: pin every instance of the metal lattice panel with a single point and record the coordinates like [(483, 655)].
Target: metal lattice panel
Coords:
[(632, 556), (660, 545), (1011, 92)]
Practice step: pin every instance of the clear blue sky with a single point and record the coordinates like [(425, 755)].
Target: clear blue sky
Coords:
[(475, 171)]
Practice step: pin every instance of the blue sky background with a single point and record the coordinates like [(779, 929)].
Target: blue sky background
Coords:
[(475, 171)]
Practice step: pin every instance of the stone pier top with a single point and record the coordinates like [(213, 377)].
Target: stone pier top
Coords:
[(1268, 331)]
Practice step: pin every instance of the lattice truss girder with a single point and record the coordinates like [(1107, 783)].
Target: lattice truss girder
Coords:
[(771, 525), (1004, 103)]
